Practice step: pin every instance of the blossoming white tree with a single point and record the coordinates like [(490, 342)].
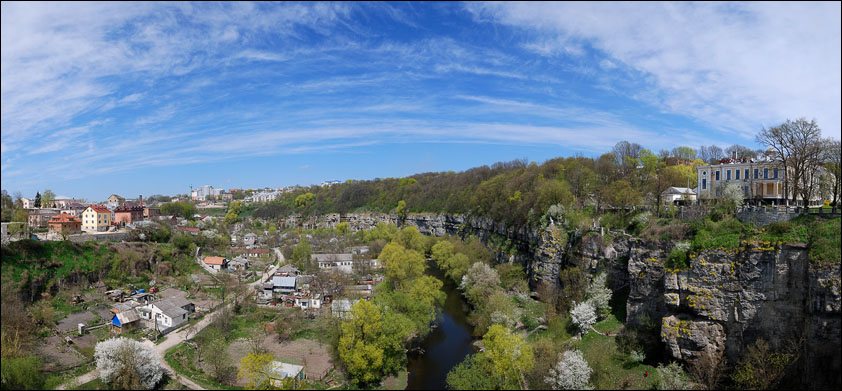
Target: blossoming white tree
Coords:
[(583, 316), (599, 294), (570, 373), (127, 364)]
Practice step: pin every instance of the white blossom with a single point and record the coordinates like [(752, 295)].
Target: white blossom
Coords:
[(570, 373), (672, 377), (583, 316), (119, 357), (599, 295)]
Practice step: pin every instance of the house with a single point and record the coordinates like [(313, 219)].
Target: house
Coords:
[(762, 180), (359, 250), (268, 289), (303, 282), (96, 218), (181, 302), (678, 195), (149, 212), (115, 200), (278, 371), (38, 218), (341, 308), (283, 285), (164, 313), (65, 223), (216, 263), (189, 230), (74, 209), (250, 239), (255, 252), (238, 264), (343, 262), (125, 320), (288, 271), (364, 290), (28, 203), (120, 307), (128, 213), (62, 201)]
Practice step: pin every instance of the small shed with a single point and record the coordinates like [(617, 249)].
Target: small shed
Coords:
[(125, 320)]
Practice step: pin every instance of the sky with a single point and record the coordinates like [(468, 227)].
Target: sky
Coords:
[(152, 98)]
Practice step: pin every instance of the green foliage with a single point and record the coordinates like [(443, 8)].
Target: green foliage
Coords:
[(677, 259), (411, 239), (301, 255), (470, 374), (574, 285), (371, 342), (509, 356), (513, 277), (402, 265), (761, 368), (401, 210), (343, 228), (725, 233), (180, 209), (826, 238), (21, 373), (304, 200)]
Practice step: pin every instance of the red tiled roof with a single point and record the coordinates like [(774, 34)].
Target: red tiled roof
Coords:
[(99, 209), (214, 260), (65, 218)]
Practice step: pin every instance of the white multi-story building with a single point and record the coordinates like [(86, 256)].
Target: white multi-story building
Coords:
[(202, 193)]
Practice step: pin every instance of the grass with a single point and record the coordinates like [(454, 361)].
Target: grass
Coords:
[(53, 380), (397, 382), (180, 358), (95, 384)]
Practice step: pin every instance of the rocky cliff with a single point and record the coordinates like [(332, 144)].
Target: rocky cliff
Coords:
[(730, 298)]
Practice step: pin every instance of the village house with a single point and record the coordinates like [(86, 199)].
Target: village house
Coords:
[(249, 239), (65, 223), (288, 271), (38, 218), (189, 230), (238, 264), (165, 313), (125, 320), (96, 218), (216, 263), (128, 213), (255, 252), (150, 212), (278, 371), (342, 262), (74, 209), (340, 308), (283, 285), (678, 195), (115, 200)]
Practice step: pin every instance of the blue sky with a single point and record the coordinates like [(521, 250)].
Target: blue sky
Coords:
[(146, 98)]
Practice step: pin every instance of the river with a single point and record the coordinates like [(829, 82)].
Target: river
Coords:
[(446, 346)]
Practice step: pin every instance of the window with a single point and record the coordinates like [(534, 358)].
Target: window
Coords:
[(766, 173), (728, 175), (756, 175), (737, 174), (717, 176), (746, 174), (704, 183), (775, 173)]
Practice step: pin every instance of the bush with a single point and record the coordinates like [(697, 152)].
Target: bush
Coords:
[(571, 373), (583, 316), (677, 260), (779, 228)]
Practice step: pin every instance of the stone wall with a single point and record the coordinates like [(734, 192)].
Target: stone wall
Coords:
[(765, 215)]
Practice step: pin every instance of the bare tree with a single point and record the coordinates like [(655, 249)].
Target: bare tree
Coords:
[(795, 143), (738, 151), (708, 369), (626, 154), (832, 158)]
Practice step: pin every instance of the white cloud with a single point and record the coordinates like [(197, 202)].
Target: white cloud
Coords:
[(736, 66)]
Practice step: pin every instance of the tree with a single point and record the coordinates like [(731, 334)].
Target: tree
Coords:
[(301, 255), (216, 356), (737, 151), (371, 342), (127, 364), (509, 356), (402, 265), (442, 252), (304, 200), (761, 368), (672, 377), (684, 153), (257, 368), (583, 316), (479, 282), (571, 373), (37, 202), (426, 296), (795, 144), (832, 158), (626, 155), (734, 193), (599, 294), (471, 374), (48, 198), (411, 239), (621, 194), (401, 210)]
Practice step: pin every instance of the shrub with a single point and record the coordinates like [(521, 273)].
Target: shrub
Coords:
[(127, 364), (599, 295), (779, 228), (672, 377), (677, 260)]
